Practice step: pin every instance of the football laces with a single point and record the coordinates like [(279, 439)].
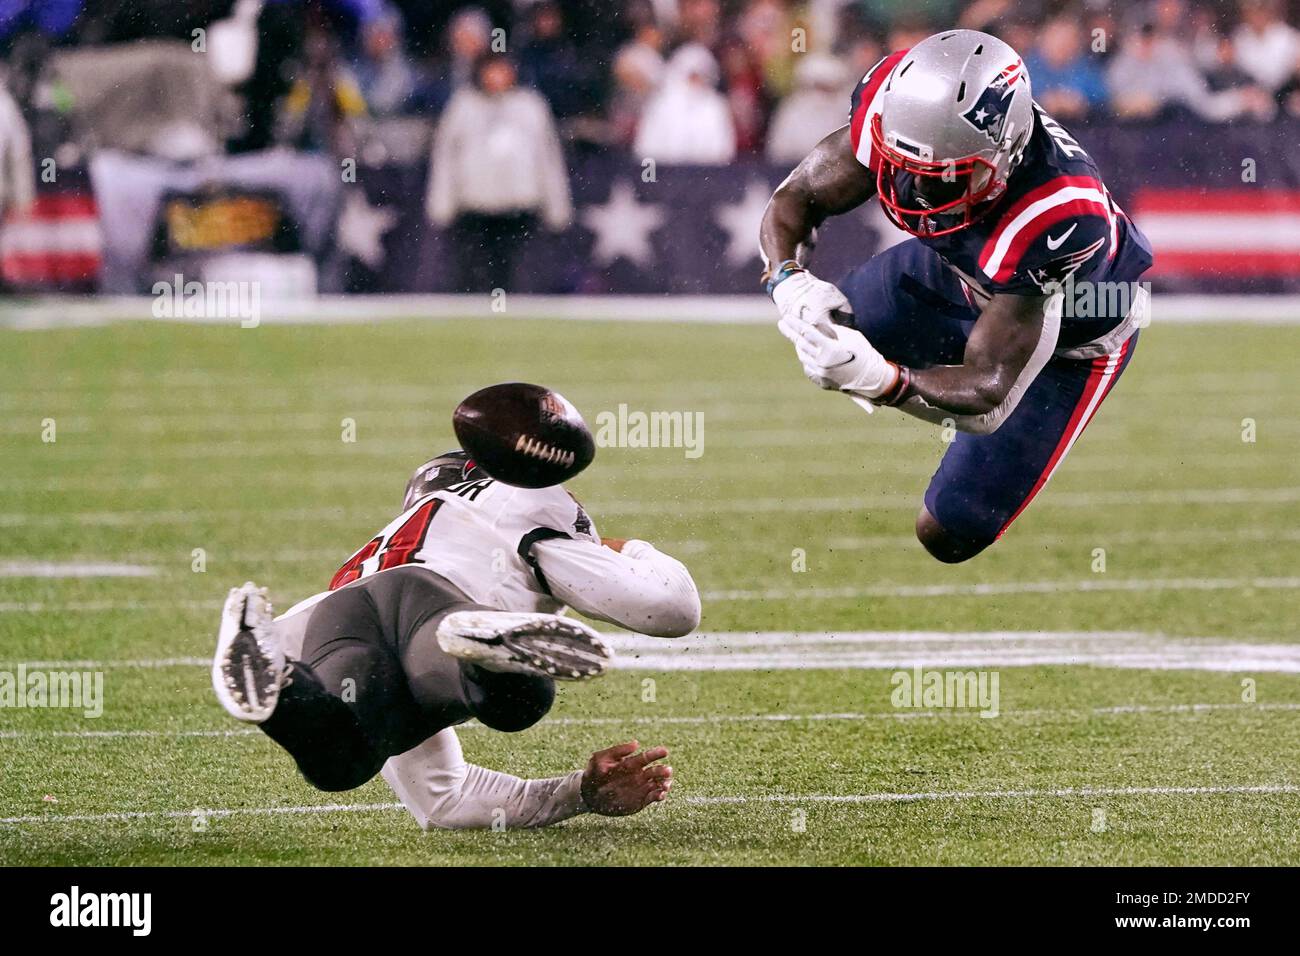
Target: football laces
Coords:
[(544, 452)]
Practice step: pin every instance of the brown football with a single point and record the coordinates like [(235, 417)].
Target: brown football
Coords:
[(524, 435)]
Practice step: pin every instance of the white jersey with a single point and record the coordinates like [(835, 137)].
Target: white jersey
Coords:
[(515, 549), (478, 534)]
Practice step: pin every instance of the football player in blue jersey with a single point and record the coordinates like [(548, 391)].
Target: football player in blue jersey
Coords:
[(1011, 313)]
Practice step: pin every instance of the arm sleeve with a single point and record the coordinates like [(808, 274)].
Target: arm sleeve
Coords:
[(641, 589), (1070, 242), (990, 421), (443, 792)]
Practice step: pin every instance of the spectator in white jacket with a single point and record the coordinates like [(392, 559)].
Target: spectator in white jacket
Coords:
[(1267, 49), (688, 121), (1151, 73), (496, 170), (17, 172), (17, 176), (815, 108)]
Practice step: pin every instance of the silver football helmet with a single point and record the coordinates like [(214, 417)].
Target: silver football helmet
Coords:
[(956, 114)]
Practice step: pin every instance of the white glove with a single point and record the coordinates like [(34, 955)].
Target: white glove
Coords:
[(843, 360), (804, 298)]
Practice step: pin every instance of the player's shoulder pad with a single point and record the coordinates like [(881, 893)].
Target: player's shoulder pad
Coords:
[(556, 508), (865, 103), (1067, 227)]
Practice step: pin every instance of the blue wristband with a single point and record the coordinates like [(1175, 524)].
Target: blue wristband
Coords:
[(783, 271)]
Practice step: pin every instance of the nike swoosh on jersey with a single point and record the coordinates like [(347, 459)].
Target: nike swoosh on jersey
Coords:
[(1054, 244)]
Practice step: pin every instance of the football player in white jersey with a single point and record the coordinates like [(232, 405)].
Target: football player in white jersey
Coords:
[(453, 612)]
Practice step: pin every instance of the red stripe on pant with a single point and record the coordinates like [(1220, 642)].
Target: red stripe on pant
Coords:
[(1079, 420)]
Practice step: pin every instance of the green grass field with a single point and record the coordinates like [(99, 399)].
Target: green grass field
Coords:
[(176, 438)]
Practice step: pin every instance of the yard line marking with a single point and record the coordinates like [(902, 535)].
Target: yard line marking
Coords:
[(410, 410), (700, 469), (1108, 536), (58, 311), (90, 665), (1061, 499), (116, 734), (1081, 586), (1101, 536), (189, 814), (129, 519), (701, 800), (181, 557), (407, 450), (846, 592), (892, 650), (103, 606), (711, 719), (73, 569), (322, 394), (905, 499), (895, 650), (957, 795)]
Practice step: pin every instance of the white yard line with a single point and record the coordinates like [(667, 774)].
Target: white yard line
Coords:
[(416, 447), (103, 606), (903, 499), (713, 719), (891, 650), (123, 734), (56, 312), (154, 663), (129, 816), (1093, 536), (130, 519), (1082, 586), (180, 560), (413, 409), (962, 650), (675, 468), (1065, 793), (73, 569), (958, 795), (132, 391), (670, 508), (1098, 585)]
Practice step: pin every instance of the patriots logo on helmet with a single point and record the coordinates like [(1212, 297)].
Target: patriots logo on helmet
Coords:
[(989, 112)]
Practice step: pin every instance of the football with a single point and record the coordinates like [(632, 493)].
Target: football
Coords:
[(524, 435)]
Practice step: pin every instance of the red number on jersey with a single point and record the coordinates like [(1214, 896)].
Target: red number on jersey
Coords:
[(409, 538), (352, 569), (400, 547)]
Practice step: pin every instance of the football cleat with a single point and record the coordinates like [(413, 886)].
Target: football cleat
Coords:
[(249, 668), (545, 645)]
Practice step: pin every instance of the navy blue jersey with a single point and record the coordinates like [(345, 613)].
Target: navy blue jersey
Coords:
[(1054, 227)]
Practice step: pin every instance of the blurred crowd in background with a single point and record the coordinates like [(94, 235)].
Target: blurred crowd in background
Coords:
[(490, 95), (695, 81)]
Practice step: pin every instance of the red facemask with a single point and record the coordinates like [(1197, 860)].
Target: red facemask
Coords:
[(939, 179)]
